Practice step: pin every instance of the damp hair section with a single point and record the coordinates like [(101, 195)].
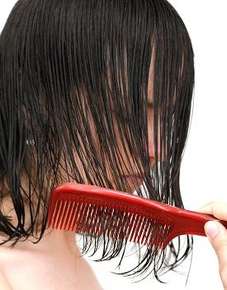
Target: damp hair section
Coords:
[(74, 84)]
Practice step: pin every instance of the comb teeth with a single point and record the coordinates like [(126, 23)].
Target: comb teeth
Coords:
[(100, 211), (116, 223), (68, 218)]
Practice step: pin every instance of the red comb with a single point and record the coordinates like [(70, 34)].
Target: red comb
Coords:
[(87, 209)]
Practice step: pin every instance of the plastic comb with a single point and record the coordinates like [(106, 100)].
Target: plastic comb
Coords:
[(96, 210)]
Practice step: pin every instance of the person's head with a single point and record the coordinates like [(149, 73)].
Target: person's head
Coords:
[(91, 91)]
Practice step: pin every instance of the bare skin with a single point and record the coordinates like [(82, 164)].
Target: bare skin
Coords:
[(217, 235), (4, 285), (54, 263)]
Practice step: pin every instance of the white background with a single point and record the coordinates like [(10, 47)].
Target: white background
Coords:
[(203, 174)]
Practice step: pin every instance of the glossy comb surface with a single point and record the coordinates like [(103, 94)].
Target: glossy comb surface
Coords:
[(96, 210)]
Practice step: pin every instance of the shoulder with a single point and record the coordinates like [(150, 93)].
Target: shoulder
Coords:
[(4, 284)]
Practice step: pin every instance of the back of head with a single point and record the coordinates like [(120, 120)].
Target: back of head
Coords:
[(74, 88)]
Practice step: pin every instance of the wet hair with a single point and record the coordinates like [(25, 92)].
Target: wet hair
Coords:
[(69, 70)]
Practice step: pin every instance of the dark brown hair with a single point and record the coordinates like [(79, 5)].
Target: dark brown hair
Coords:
[(65, 63)]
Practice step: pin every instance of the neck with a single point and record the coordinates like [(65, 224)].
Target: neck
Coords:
[(53, 242), (59, 256)]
